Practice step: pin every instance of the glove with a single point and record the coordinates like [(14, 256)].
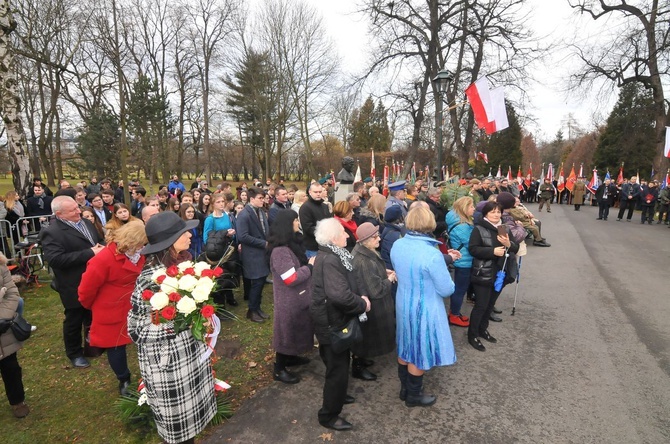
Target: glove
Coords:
[(4, 325)]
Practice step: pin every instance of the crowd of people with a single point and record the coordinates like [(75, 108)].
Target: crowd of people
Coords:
[(384, 262)]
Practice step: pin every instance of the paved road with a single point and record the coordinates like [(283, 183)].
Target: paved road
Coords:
[(586, 358)]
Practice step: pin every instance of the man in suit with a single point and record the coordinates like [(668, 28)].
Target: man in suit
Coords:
[(68, 243), (630, 192), (605, 197), (100, 209), (252, 230)]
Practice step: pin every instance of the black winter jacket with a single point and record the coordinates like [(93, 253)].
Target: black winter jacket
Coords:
[(335, 298)]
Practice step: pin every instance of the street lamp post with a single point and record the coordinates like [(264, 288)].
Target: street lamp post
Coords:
[(442, 81)]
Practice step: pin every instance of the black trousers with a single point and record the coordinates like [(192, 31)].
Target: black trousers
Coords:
[(118, 361), (485, 299), (603, 209), (11, 376), (627, 204), (335, 386), (647, 213), (73, 330)]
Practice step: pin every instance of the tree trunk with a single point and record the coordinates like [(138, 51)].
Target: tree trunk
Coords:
[(11, 105)]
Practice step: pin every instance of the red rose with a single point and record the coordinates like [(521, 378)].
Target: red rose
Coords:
[(207, 311), (218, 271), (189, 271), (160, 279), (207, 273), (172, 271), (169, 312), (174, 296), (146, 294)]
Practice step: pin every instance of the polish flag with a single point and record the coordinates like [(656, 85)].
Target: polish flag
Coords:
[(529, 175), (488, 106), (220, 386), (479, 97), (619, 179), (666, 150), (289, 276), (372, 167), (499, 173), (483, 156), (509, 174), (519, 179)]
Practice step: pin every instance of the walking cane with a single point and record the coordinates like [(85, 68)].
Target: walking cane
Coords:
[(516, 290)]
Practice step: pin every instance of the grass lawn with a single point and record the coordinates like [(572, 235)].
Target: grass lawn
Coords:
[(70, 405)]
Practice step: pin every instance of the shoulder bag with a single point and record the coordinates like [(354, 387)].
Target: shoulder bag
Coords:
[(20, 327)]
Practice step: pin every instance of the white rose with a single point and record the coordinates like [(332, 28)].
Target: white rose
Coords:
[(206, 283), (159, 300), (200, 294), (184, 265), (142, 399), (186, 305), (199, 267), (187, 282), (155, 274), (170, 284)]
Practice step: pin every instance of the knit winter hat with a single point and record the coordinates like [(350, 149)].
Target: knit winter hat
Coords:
[(506, 200), (365, 231)]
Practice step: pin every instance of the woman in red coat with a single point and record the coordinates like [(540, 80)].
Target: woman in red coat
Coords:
[(105, 289)]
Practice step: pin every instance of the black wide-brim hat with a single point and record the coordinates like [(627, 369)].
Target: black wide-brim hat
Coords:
[(163, 230)]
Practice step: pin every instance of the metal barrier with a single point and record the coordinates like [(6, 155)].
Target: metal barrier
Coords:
[(7, 245)]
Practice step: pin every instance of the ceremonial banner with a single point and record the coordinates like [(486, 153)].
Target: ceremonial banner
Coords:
[(572, 178)]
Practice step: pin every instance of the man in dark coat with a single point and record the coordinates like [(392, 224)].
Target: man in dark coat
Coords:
[(281, 203), (68, 243), (630, 192), (252, 230), (312, 210), (605, 197), (438, 211), (39, 204)]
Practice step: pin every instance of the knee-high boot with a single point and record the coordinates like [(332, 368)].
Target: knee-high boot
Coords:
[(402, 375), (415, 396)]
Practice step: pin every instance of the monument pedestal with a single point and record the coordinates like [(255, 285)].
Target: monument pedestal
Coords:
[(343, 191)]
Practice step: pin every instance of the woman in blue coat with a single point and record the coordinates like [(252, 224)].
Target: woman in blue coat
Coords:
[(422, 330), (459, 227)]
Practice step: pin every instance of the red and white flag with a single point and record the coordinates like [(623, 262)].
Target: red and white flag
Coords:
[(499, 173), (581, 170), (519, 179), (666, 150), (483, 156), (385, 180), (619, 179), (529, 175), (560, 184), (289, 276), (488, 105), (372, 167), (509, 174), (479, 97), (550, 173)]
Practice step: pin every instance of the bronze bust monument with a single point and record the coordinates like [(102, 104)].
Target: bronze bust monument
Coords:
[(346, 175)]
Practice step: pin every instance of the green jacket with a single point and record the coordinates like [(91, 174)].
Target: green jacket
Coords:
[(546, 191)]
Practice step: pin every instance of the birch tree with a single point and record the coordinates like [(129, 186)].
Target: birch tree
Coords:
[(11, 104)]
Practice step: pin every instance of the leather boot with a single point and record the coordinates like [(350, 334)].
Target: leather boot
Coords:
[(283, 375), (415, 396), (402, 375), (359, 371)]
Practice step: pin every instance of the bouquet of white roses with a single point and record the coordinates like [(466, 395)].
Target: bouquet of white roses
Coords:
[(184, 296)]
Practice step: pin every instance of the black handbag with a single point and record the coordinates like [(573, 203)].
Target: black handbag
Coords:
[(344, 337), (20, 327)]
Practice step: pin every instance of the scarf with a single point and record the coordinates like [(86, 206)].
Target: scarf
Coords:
[(349, 225), (133, 257), (495, 225), (343, 254)]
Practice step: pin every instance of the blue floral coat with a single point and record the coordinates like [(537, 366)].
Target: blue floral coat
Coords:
[(422, 329)]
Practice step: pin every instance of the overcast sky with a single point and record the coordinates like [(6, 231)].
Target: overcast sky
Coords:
[(552, 19)]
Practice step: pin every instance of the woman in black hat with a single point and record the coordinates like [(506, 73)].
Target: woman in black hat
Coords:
[(179, 387)]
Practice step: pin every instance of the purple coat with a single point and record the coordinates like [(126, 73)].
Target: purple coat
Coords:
[(292, 288)]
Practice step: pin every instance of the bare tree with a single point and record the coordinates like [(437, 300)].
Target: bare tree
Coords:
[(637, 51), (210, 23)]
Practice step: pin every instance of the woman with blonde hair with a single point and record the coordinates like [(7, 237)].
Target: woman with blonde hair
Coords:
[(459, 226), (422, 332), (298, 199), (373, 212), (15, 211), (105, 289)]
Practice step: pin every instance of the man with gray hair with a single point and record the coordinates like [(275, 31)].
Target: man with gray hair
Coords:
[(440, 212), (68, 243)]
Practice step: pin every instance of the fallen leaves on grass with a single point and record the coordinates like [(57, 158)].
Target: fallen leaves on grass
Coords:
[(252, 364)]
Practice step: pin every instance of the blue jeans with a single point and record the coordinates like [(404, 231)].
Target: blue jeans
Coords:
[(19, 309), (116, 356), (461, 282)]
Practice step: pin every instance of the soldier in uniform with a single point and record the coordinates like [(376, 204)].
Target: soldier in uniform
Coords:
[(546, 194)]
